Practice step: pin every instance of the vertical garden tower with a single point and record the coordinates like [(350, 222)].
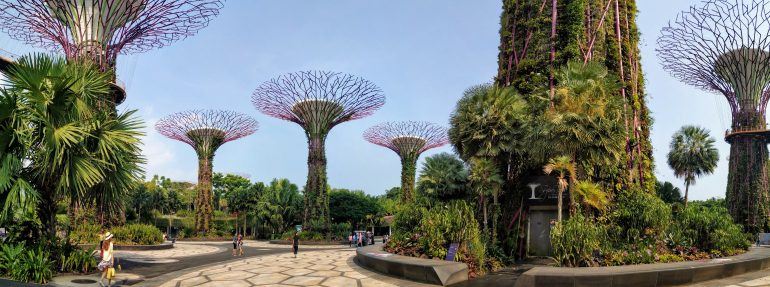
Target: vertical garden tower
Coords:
[(205, 131), (408, 140), (537, 37), (99, 30), (317, 101), (723, 46)]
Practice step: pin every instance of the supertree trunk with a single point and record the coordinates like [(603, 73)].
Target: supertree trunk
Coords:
[(203, 204), (747, 187), (315, 189), (408, 169)]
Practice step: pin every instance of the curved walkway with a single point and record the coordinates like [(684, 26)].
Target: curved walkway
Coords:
[(334, 267)]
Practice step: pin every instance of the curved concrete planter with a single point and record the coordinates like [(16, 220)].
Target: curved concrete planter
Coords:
[(423, 270), (162, 246), (312, 243), (664, 274), (11, 283)]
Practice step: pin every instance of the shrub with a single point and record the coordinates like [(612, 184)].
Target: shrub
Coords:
[(575, 241), (407, 219), (454, 222), (85, 234), (33, 266), (138, 234), (78, 261), (10, 257), (707, 227), (638, 215)]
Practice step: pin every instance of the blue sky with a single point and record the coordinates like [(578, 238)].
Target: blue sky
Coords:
[(423, 54)]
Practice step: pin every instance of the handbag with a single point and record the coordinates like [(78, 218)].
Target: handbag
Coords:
[(110, 273)]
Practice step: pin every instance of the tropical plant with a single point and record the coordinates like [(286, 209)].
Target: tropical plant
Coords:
[(486, 180), (15, 192), (78, 261), (668, 192), (576, 240), (565, 169), (76, 150), (638, 215), (33, 266), (692, 155), (453, 223), (709, 228), (585, 122), (223, 184), (280, 206), (352, 206), (137, 234), (443, 177), (590, 195)]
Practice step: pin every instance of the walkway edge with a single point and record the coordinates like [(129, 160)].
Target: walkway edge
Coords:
[(422, 270), (653, 275)]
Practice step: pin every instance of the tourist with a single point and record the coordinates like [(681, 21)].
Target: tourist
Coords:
[(240, 244), (105, 266), (295, 243), (235, 243), (350, 240), (360, 239)]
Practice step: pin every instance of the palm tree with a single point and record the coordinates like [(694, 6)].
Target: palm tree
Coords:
[(590, 195), (585, 122), (15, 192), (566, 176), (75, 150), (692, 155), (443, 177), (486, 180)]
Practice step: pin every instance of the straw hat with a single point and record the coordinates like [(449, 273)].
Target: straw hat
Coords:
[(107, 236)]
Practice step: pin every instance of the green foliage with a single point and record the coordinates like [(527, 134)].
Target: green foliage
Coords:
[(352, 206), (692, 155), (708, 228), (668, 192), (408, 219), (137, 234), (454, 222), (34, 266), (82, 151), (85, 234), (576, 240), (639, 215), (280, 206), (443, 177), (224, 185), (78, 260)]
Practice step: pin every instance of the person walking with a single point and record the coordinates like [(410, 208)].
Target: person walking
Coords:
[(360, 240), (240, 244), (108, 260), (235, 243), (350, 240), (295, 243)]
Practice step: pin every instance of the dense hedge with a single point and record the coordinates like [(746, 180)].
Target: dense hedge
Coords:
[(137, 234), (641, 229)]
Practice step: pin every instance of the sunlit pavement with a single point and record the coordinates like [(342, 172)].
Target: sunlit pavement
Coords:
[(311, 268)]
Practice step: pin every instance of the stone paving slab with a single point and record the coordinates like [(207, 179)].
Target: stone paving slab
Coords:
[(328, 268)]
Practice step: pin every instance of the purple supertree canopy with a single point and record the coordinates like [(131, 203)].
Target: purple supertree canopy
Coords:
[(102, 29), (318, 100), (722, 46), (206, 130), (407, 138)]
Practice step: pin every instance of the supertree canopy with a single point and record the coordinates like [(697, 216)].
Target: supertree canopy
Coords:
[(205, 131), (99, 30), (408, 140), (317, 101), (723, 47)]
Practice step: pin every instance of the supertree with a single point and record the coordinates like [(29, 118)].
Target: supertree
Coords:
[(317, 101), (722, 47), (99, 30), (408, 140), (205, 131)]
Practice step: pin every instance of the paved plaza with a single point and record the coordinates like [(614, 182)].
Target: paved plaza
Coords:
[(311, 268), (265, 264)]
